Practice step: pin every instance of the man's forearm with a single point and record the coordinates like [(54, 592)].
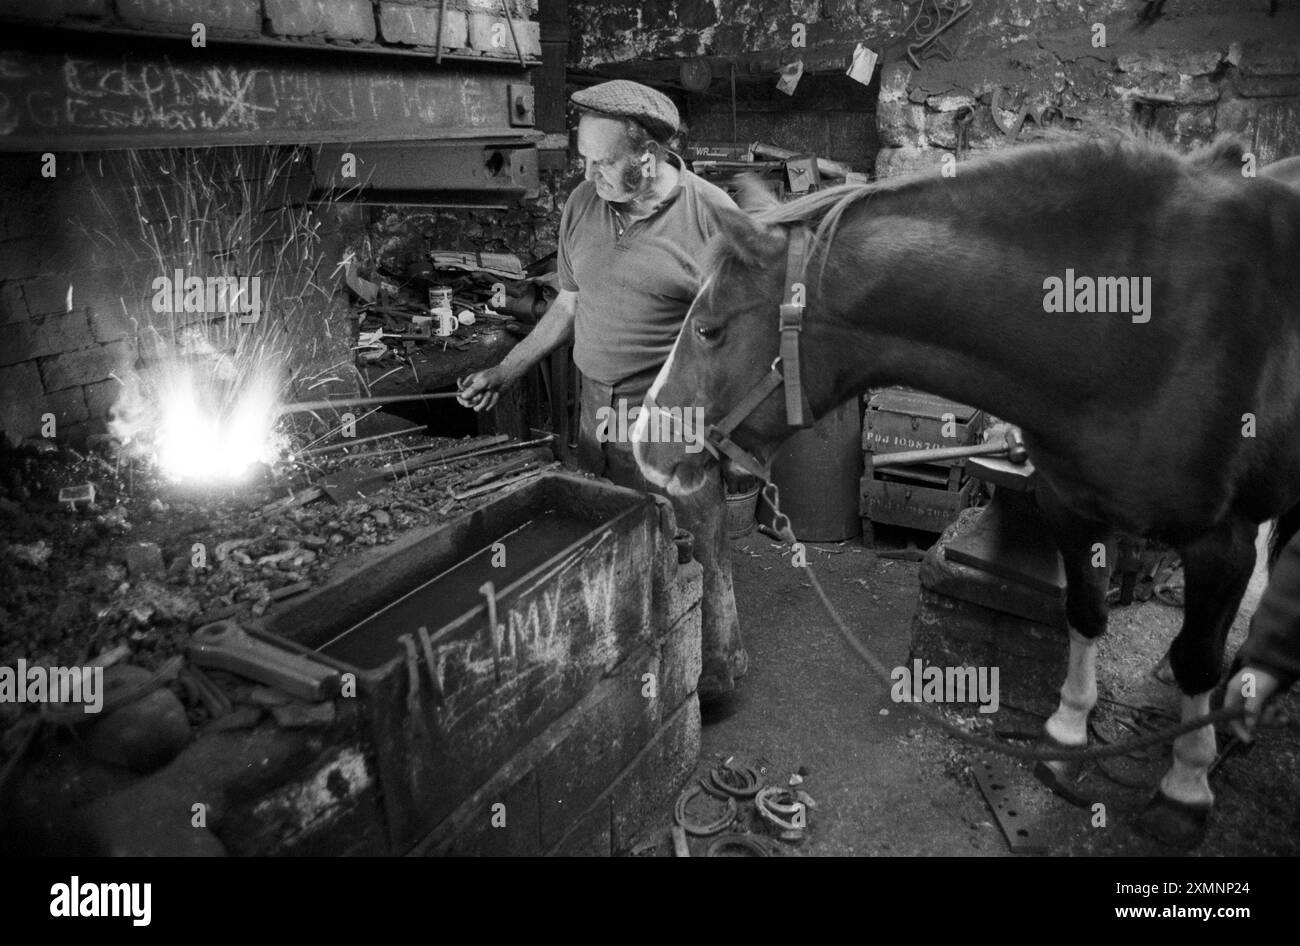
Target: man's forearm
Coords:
[(554, 329)]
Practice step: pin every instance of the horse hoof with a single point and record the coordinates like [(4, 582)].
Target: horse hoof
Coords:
[(1174, 823), (1062, 776), (1062, 783)]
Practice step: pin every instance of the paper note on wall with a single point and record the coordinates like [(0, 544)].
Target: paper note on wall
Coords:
[(863, 65), (790, 75)]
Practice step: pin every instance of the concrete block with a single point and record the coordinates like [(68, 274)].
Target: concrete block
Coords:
[(12, 306), (410, 25), (491, 36), (21, 382), (891, 162), (46, 294), (42, 336), (520, 9), (1277, 123), (74, 369), (101, 396), (335, 19), (68, 408), (242, 16)]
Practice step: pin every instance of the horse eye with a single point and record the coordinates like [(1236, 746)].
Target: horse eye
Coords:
[(709, 333)]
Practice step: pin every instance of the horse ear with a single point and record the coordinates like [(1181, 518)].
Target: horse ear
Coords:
[(753, 243), (1223, 155), (753, 196)]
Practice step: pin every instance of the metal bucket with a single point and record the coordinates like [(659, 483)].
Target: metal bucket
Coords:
[(740, 513)]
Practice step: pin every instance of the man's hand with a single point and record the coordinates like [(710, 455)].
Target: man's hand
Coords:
[(482, 389), (1262, 688)]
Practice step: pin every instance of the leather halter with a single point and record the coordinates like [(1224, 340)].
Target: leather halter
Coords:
[(785, 369)]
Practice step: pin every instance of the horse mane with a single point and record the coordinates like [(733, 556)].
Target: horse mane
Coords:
[(1063, 156)]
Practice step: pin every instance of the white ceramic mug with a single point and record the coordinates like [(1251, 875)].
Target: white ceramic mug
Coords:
[(444, 322)]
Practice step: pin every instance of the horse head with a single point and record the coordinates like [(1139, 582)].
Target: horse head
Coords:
[(724, 371)]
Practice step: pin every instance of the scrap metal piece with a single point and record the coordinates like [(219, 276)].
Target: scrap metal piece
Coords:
[(774, 802), (224, 645), (992, 782), (72, 495), (681, 848), (748, 843), (435, 679), (740, 781), (702, 829), (929, 25)]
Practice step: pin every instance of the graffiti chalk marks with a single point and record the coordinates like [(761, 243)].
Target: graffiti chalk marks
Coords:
[(52, 99)]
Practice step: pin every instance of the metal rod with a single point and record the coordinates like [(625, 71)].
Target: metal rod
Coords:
[(735, 135), (354, 442), (489, 591), (324, 405), (510, 22), (442, 18)]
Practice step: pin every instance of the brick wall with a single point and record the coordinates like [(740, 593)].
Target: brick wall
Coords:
[(76, 281), (63, 330)]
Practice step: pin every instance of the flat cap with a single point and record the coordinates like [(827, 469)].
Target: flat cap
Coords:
[(652, 109)]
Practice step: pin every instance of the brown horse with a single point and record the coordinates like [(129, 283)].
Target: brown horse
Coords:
[(1169, 410)]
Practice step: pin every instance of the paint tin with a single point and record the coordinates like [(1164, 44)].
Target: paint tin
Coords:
[(440, 297)]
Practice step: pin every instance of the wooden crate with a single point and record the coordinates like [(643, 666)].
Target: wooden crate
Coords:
[(902, 419), (902, 502)]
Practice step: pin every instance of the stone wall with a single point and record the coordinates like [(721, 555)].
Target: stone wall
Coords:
[(401, 238), (1200, 69)]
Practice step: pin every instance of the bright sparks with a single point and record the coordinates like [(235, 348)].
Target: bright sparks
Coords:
[(200, 430), (196, 441)]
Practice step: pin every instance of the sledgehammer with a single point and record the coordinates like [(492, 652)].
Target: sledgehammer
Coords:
[(1012, 446)]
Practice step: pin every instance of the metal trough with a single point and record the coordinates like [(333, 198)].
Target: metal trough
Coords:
[(583, 573)]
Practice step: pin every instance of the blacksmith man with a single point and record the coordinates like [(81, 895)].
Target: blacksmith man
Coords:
[(631, 239)]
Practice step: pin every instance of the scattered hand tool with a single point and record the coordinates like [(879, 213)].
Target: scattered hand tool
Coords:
[(224, 645), (1013, 447), (993, 785), (681, 848), (342, 485), (501, 484), (356, 442), (505, 469)]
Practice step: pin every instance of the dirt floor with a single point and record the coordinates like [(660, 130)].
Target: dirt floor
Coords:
[(887, 783)]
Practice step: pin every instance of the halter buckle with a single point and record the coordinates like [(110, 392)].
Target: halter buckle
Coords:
[(791, 318)]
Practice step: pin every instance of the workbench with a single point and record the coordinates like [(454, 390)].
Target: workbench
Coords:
[(435, 364)]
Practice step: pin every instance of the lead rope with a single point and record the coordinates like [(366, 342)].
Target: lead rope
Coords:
[(781, 525)]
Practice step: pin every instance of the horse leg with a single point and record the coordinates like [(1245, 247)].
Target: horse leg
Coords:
[(1218, 566), (1085, 609)]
